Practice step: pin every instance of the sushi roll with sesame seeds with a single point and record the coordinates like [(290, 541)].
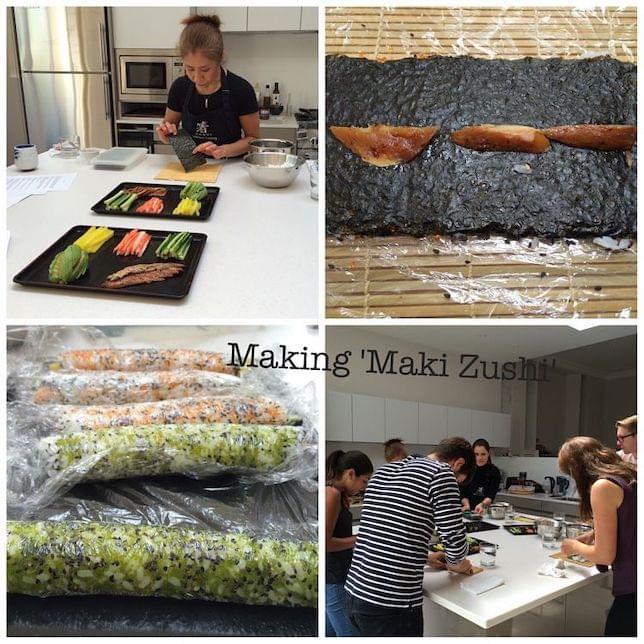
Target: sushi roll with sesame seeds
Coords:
[(145, 360), (119, 388), (47, 558), (220, 409), (152, 450)]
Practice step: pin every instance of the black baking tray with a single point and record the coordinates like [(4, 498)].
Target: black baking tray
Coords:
[(170, 202), (152, 616), (473, 546), (479, 526), (516, 530), (104, 262)]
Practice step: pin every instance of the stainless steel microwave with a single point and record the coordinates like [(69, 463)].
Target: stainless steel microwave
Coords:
[(145, 75)]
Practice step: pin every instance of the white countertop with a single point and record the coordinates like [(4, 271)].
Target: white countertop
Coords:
[(286, 122), (517, 561), (537, 497), (260, 259)]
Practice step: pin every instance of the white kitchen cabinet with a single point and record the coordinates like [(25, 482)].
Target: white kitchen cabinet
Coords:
[(274, 18), (432, 423), (147, 27), (501, 432), (401, 420), (368, 419), (459, 422), (232, 18), (482, 425), (339, 423), (309, 21)]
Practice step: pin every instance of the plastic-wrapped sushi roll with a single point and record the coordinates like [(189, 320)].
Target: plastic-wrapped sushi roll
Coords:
[(118, 387), (54, 558), (173, 449), (222, 409), (145, 360)]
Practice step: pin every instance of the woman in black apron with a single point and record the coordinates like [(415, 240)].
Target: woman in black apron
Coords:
[(216, 107)]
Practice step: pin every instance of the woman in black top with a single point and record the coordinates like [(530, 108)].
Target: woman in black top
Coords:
[(216, 107), (347, 473), (485, 484)]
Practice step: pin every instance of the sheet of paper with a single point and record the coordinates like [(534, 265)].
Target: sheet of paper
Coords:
[(39, 183), (15, 197)]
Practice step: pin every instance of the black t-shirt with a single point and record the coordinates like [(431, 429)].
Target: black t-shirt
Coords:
[(484, 484), (242, 96)]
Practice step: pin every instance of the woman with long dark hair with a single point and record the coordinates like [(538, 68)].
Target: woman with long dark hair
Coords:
[(607, 487), (347, 473), (482, 489)]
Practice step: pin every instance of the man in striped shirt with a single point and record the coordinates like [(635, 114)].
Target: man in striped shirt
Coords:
[(404, 501)]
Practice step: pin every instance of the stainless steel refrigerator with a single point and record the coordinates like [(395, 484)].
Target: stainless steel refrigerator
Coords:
[(65, 70)]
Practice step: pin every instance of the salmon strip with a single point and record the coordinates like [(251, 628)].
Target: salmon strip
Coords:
[(501, 138), (594, 137), (385, 145)]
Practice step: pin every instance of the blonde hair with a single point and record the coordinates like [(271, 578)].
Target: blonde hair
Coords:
[(629, 423), (202, 33)]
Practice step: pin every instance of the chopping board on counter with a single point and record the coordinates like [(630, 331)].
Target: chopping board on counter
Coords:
[(174, 171), (573, 559)]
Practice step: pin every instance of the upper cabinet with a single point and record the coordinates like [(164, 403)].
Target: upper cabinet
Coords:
[(243, 19), (401, 420), (309, 20), (147, 27), (368, 419), (482, 423), (274, 18), (232, 18), (339, 421), (501, 430)]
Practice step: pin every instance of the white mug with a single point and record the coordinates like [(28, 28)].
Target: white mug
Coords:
[(25, 156)]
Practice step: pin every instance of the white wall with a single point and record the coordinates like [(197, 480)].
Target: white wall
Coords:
[(289, 59), (484, 395)]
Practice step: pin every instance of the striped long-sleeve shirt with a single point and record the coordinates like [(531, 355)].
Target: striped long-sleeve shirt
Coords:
[(403, 503)]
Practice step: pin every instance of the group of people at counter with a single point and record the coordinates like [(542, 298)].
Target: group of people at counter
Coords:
[(374, 579)]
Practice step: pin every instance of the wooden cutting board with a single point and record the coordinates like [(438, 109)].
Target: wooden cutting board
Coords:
[(174, 171), (566, 558)]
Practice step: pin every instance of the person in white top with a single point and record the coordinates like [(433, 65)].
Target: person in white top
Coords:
[(626, 435)]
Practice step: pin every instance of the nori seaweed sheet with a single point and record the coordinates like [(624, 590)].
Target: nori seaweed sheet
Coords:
[(183, 145), (449, 189)]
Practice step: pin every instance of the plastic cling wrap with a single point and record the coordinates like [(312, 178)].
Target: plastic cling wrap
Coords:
[(145, 359), (173, 449), (117, 388), (222, 409), (58, 558), (484, 275)]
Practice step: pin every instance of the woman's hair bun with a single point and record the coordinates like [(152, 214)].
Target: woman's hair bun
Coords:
[(213, 21)]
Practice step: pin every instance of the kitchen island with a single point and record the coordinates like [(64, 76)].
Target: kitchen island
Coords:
[(260, 259), (527, 603)]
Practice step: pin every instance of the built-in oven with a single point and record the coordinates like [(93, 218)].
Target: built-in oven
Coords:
[(145, 75), (141, 135)]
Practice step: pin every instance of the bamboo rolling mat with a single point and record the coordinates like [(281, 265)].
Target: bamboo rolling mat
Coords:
[(407, 277)]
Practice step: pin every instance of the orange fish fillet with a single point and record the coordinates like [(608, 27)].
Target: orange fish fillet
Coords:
[(501, 138), (385, 145), (594, 137)]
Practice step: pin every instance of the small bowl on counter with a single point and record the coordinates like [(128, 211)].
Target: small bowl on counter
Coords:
[(549, 527), (575, 530), (272, 145), (273, 169), (498, 510)]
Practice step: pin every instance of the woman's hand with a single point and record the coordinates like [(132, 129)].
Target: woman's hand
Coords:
[(165, 129), (569, 546), (437, 560), (479, 508), (587, 537), (212, 150), (465, 505)]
